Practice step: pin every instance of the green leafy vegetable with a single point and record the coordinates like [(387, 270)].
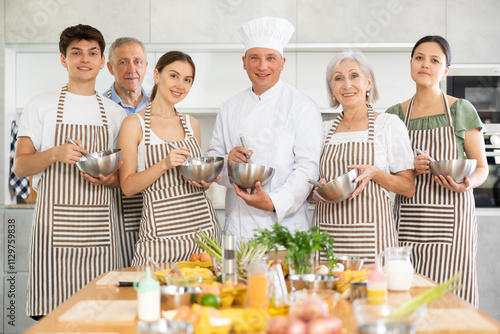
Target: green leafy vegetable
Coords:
[(301, 245)]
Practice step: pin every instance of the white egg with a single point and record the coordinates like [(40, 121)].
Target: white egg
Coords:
[(322, 270), (338, 267)]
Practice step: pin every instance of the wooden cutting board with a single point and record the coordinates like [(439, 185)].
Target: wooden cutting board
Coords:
[(455, 319), (120, 276), (101, 310)]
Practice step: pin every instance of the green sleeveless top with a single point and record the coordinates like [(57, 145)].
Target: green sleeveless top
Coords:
[(463, 114)]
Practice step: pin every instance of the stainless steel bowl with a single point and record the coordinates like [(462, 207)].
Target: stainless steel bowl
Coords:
[(374, 318), (105, 163), (351, 262), (245, 175), (162, 326), (311, 281), (338, 189), (202, 168), (457, 169)]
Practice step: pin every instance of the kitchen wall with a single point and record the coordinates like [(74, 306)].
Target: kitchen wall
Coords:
[(384, 29)]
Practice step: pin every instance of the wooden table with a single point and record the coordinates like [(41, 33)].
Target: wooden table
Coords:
[(51, 324)]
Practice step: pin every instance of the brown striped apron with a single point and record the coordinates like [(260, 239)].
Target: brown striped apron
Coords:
[(173, 209), (438, 223), (73, 237), (363, 226), (129, 211)]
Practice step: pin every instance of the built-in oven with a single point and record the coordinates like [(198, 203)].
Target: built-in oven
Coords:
[(480, 84)]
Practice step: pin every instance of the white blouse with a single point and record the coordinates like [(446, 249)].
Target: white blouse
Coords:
[(393, 152)]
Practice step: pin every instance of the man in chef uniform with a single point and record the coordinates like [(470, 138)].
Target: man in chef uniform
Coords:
[(73, 236), (282, 128), (128, 63)]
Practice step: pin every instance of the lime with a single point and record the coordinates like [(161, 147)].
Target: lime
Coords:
[(211, 300)]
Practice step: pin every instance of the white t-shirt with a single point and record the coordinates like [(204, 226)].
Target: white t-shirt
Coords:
[(38, 120), (153, 140), (393, 151)]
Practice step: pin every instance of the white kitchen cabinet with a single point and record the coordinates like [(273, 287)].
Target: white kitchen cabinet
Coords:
[(473, 31), (2, 102), (392, 74), (361, 21), (39, 72), (17, 230), (34, 21), (2, 237), (488, 261), (15, 239), (14, 303)]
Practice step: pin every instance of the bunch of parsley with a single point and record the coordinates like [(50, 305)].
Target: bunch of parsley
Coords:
[(301, 245)]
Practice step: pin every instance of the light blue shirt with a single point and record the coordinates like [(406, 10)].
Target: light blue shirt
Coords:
[(129, 109)]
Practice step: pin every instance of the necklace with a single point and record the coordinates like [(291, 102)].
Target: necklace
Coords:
[(348, 126)]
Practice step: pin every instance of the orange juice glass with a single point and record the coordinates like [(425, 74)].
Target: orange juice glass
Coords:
[(258, 285)]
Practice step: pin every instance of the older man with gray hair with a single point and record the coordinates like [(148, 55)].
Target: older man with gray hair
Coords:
[(128, 63)]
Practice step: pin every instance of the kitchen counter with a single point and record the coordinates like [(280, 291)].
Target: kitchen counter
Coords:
[(442, 307)]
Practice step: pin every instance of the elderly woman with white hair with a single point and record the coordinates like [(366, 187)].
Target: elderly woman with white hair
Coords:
[(377, 145)]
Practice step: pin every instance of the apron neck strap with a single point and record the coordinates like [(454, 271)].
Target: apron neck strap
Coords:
[(446, 110), (340, 117), (147, 125), (62, 99)]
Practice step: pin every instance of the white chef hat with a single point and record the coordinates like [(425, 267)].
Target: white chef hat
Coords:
[(266, 32)]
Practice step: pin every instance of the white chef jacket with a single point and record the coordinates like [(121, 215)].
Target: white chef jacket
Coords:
[(283, 127)]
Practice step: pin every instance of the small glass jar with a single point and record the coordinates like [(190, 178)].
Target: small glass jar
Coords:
[(258, 285)]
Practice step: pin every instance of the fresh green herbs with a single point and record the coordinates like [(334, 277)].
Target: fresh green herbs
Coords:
[(301, 245)]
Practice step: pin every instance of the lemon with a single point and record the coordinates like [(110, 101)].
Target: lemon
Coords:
[(211, 300)]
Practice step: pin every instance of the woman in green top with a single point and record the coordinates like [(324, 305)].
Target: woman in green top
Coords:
[(439, 221)]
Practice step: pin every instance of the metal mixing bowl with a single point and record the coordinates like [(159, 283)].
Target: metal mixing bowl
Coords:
[(173, 296), (202, 168), (457, 169), (351, 262), (164, 326), (311, 281), (105, 163), (339, 188), (374, 318), (245, 174)]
